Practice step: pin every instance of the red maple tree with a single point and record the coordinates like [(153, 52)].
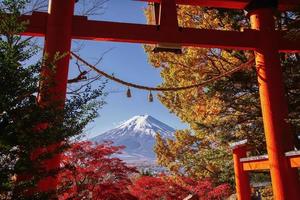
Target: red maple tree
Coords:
[(90, 172), (151, 188), (206, 190), (177, 188)]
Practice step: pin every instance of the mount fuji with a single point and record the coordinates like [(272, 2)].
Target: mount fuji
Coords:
[(138, 136)]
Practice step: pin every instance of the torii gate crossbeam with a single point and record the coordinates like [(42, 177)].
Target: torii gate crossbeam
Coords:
[(85, 29), (59, 26), (231, 4)]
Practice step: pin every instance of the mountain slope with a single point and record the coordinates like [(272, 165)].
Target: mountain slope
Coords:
[(138, 136)]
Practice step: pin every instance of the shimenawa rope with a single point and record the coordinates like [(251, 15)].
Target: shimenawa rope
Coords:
[(142, 87)]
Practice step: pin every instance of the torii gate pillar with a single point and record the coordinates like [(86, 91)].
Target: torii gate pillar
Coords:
[(242, 182), (274, 105), (58, 39)]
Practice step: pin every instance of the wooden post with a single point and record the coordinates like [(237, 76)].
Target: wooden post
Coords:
[(273, 103), (242, 183), (57, 41)]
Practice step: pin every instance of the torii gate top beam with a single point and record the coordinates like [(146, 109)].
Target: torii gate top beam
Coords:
[(138, 33), (283, 5), (168, 31)]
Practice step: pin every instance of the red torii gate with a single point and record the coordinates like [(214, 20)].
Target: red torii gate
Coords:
[(59, 26)]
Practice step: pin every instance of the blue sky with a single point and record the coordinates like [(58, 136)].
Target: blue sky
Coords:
[(128, 62)]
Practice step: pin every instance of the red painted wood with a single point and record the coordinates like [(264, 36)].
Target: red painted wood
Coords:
[(256, 165), (295, 162), (168, 17), (263, 164), (37, 24), (137, 33), (58, 38), (273, 104), (231, 4), (242, 182), (125, 32)]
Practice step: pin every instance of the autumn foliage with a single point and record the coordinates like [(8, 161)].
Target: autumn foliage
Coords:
[(147, 188), (221, 112), (90, 172), (173, 188)]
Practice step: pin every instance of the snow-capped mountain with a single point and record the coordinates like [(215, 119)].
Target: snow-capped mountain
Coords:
[(138, 136)]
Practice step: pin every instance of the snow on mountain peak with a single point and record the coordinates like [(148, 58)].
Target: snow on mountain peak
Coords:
[(138, 136), (146, 124)]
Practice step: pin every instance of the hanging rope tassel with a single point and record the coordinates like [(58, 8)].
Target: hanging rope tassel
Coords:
[(128, 93), (150, 97)]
